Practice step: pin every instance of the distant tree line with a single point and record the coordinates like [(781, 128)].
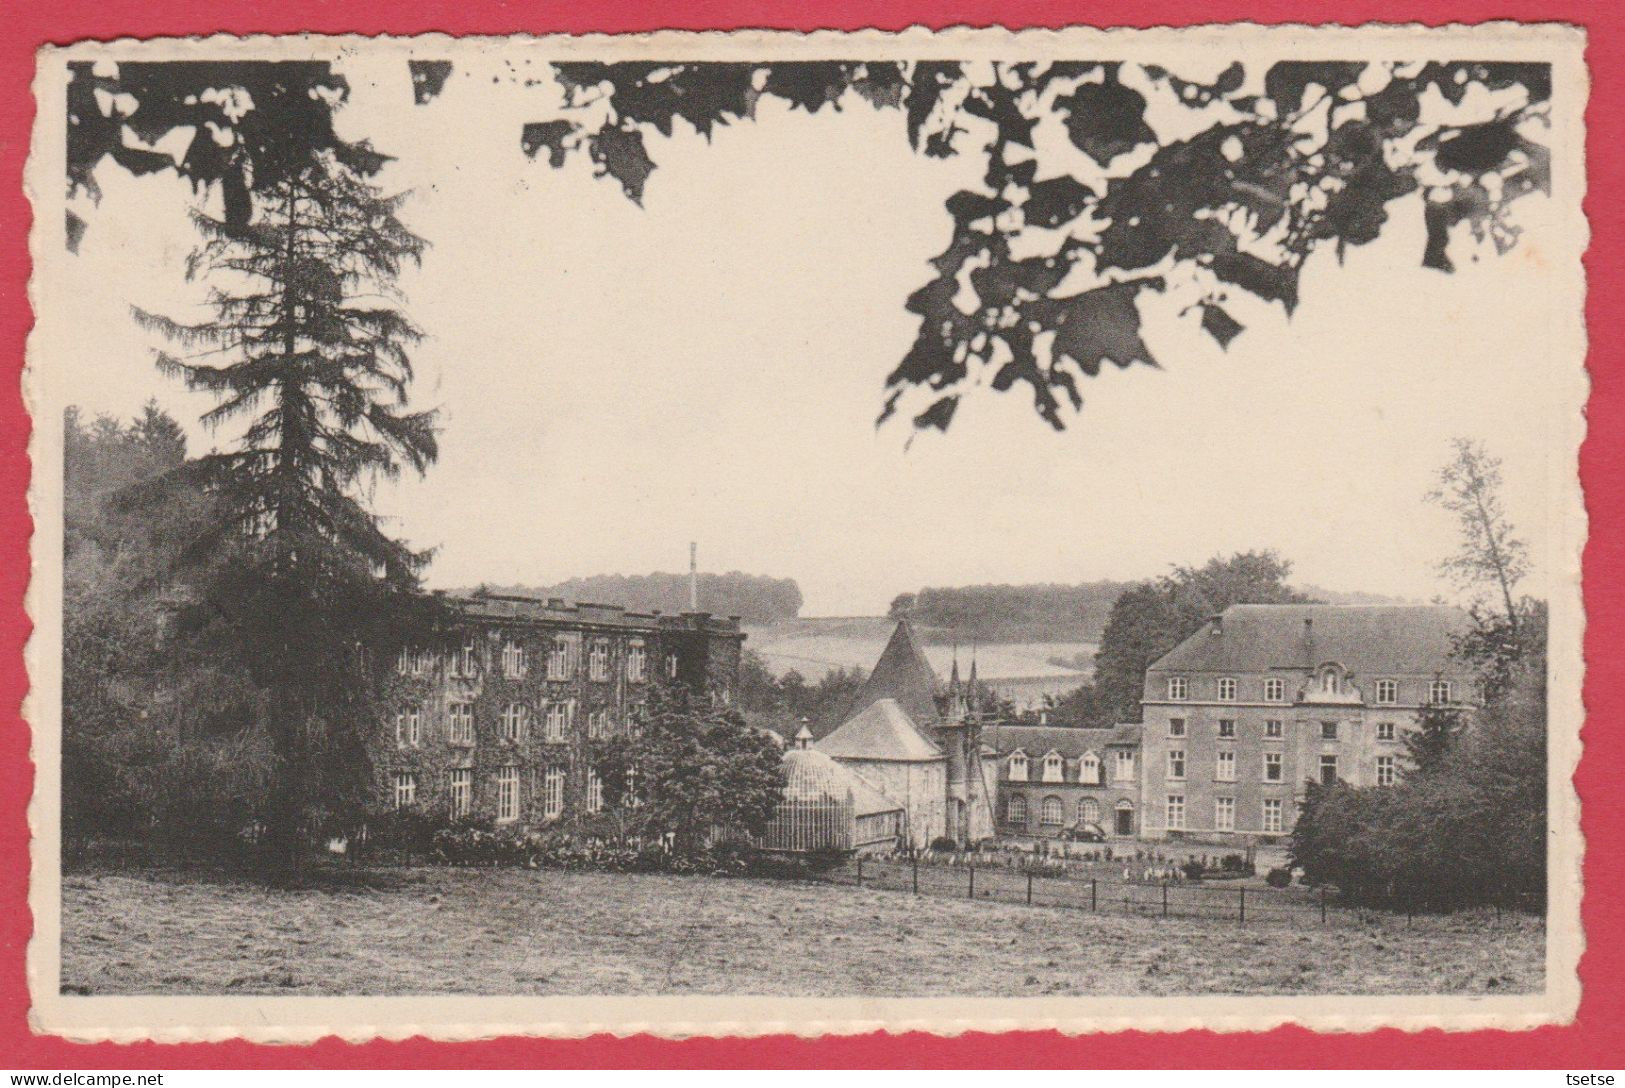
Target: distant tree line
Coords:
[(1013, 613), (1149, 618), (754, 598)]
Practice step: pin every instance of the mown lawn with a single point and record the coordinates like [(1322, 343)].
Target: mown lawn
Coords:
[(505, 932)]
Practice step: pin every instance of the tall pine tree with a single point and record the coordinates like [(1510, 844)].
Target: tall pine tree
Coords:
[(306, 351)]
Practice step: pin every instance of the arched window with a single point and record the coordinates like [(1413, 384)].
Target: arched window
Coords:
[(1088, 811), (1328, 680), (1052, 813), (1089, 769), (1054, 766), (1018, 770), (1015, 809)]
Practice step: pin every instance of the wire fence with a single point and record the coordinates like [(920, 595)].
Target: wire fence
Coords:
[(1235, 901)]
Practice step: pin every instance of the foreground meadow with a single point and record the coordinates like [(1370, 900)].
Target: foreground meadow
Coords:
[(502, 931)]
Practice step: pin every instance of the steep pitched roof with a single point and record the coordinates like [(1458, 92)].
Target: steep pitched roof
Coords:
[(881, 731), (902, 674), (1365, 639)]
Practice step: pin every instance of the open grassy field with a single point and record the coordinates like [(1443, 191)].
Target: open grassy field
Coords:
[(429, 931)]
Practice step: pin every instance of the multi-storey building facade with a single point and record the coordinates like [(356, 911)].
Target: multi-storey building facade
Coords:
[(499, 719), (1060, 781), (1264, 698)]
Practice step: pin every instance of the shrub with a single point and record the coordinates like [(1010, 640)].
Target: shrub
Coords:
[(1278, 878), (479, 842), (1193, 869), (408, 832), (943, 844)]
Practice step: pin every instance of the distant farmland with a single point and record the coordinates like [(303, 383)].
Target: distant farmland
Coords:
[(813, 647)]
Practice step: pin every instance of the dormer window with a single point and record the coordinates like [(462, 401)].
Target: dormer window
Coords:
[(1089, 769), (1329, 681), (1054, 767), (1018, 767)]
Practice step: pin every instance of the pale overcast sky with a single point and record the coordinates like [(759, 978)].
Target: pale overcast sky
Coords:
[(617, 381)]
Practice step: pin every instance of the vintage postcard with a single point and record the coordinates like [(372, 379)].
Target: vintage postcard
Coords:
[(1111, 500)]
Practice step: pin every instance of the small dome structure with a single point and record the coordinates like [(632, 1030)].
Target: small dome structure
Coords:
[(827, 807)]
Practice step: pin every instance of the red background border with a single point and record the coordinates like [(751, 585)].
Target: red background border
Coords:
[(1590, 1042)]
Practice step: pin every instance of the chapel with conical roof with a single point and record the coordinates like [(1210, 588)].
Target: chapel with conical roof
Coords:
[(920, 744)]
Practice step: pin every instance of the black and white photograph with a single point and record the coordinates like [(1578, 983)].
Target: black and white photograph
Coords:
[(734, 533)]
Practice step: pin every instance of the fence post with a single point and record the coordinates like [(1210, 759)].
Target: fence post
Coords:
[(1029, 887), (1323, 905), (860, 870), (1243, 892), (1092, 889), (914, 864), (1165, 899), (971, 891)]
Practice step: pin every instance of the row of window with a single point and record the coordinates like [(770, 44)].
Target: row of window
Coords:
[(1386, 691), (1271, 814), (1224, 767), (561, 661), (1052, 768), (547, 783), (1275, 729), (1052, 810), (557, 719)]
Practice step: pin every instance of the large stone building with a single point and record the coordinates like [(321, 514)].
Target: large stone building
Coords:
[(497, 720), (1263, 698), (919, 743), (1068, 782)]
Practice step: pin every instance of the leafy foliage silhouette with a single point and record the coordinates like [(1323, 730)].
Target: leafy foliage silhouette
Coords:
[(1085, 208), (1041, 282)]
